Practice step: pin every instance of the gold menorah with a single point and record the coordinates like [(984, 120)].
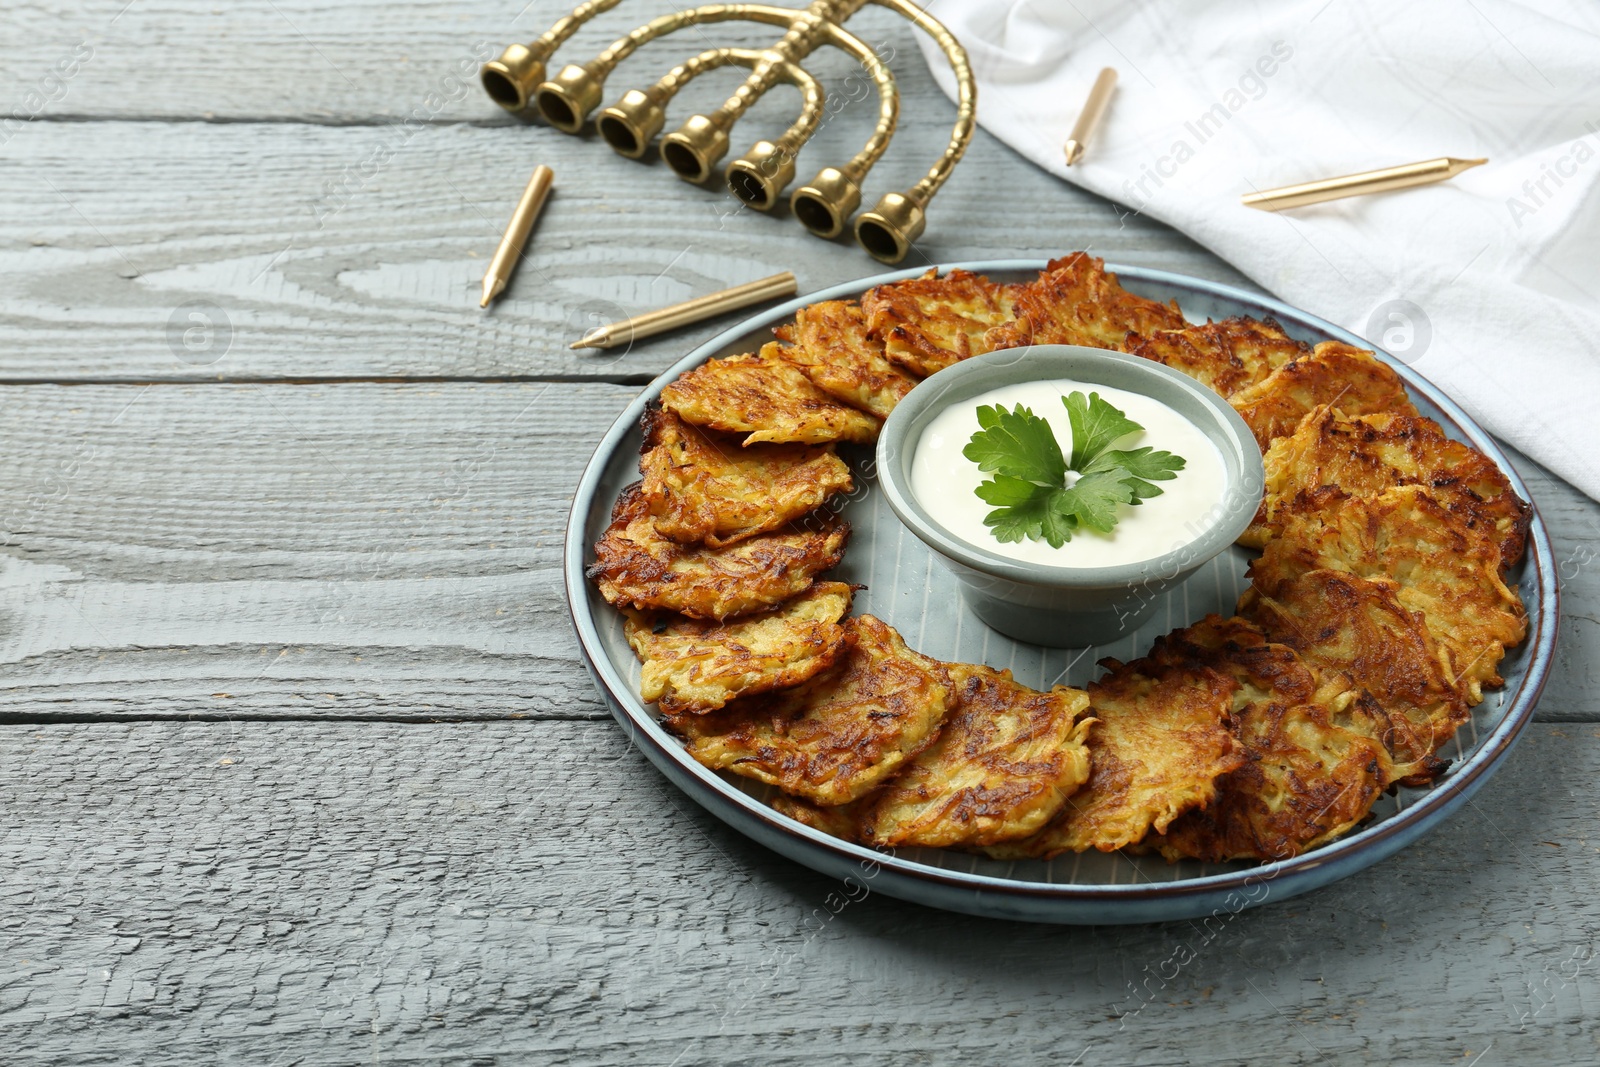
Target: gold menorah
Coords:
[(517, 82)]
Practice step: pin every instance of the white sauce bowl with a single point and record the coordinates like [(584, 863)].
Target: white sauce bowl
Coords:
[(1075, 602)]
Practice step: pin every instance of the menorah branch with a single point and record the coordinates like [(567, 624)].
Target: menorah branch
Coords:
[(518, 81)]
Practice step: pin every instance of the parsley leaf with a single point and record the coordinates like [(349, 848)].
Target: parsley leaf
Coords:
[(1140, 466), (1026, 511), (1095, 426), (1029, 485), (1018, 444), (1007, 492), (1092, 501)]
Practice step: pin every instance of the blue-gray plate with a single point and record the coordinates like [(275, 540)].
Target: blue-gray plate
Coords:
[(919, 598)]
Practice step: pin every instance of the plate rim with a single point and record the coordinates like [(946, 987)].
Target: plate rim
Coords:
[(1060, 902)]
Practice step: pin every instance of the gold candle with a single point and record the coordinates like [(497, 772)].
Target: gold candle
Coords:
[(516, 235), (1368, 181), (1094, 109), (689, 312)]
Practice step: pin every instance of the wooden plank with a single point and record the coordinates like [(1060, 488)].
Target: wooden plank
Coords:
[(357, 252), (356, 549), (362, 61), (536, 893)]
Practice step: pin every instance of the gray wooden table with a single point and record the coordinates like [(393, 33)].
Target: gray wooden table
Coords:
[(300, 765)]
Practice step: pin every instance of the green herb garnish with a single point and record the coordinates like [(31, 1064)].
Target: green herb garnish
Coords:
[(1031, 491)]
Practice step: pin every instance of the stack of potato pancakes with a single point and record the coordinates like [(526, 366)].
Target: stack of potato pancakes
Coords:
[(1377, 613)]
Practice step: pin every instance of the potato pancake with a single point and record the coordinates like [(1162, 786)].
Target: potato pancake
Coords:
[(694, 665), (1357, 627), (1161, 741), (829, 342), (1365, 454), (840, 820), (636, 567), (1346, 379), (837, 737), (767, 398), (928, 323), (1006, 760), (1315, 759), (1075, 301), (1227, 356), (702, 487), (1308, 781), (1447, 572)]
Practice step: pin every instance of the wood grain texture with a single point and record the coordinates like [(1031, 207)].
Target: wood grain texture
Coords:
[(535, 893), (360, 62), (356, 549), (357, 251), (318, 278)]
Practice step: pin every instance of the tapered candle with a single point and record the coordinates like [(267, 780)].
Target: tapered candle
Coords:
[(688, 312), (1368, 181), (1094, 109), (516, 235)]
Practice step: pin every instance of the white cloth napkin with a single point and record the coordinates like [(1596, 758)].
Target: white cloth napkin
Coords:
[(1488, 284)]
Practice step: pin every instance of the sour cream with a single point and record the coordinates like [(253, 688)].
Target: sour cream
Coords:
[(944, 481)]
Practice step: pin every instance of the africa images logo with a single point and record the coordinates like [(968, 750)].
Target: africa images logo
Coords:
[(1252, 85), (1537, 192)]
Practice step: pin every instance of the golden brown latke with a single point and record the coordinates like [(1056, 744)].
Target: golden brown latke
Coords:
[(838, 820), (829, 342), (1075, 301), (1006, 760), (1314, 756), (766, 397), (636, 567), (1347, 379), (704, 487), (1226, 356), (928, 323), (1366, 454), (1161, 743), (1341, 623), (1448, 572), (693, 665), (1308, 780), (835, 738)]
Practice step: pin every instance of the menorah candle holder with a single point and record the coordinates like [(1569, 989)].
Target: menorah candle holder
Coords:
[(519, 81)]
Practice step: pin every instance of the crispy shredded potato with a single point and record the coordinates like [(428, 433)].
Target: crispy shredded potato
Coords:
[(693, 665), (703, 487), (638, 568), (1357, 627), (767, 398), (1346, 379), (829, 342), (1161, 743), (928, 323), (1006, 760), (837, 737), (1366, 454), (1227, 356), (1076, 301), (1446, 571), (1315, 758), (839, 820)]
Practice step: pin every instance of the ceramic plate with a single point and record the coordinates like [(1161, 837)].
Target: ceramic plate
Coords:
[(908, 589)]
